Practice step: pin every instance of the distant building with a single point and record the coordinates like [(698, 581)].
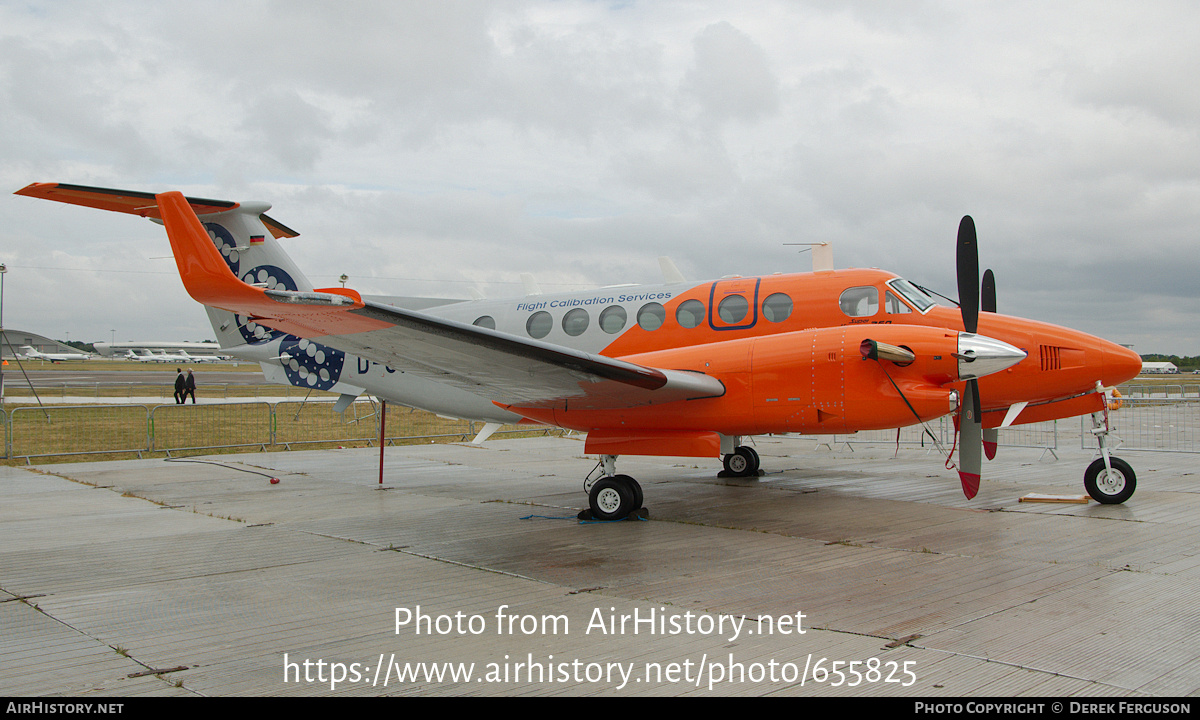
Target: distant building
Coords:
[(14, 339), (1159, 368), (121, 349)]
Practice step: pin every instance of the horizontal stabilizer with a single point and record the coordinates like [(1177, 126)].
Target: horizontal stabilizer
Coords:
[(135, 203)]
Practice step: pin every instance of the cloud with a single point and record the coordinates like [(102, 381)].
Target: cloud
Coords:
[(731, 78), (450, 144)]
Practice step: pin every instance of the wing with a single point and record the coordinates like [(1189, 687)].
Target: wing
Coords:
[(507, 369)]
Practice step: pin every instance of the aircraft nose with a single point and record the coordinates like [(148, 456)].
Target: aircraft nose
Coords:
[(1120, 364)]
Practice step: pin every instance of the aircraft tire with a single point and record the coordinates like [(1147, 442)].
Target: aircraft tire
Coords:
[(1110, 488), (611, 498), (742, 462), (755, 461), (634, 487)]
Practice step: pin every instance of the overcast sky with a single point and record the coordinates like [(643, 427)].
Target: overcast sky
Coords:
[(425, 148)]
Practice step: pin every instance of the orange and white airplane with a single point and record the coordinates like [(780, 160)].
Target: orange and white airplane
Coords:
[(681, 368)]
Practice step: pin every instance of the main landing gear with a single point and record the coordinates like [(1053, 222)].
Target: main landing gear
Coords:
[(742, 462), (612, 496), (615, 497), (1109, 480)]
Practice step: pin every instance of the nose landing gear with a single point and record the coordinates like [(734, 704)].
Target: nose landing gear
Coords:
[(1109, 480)]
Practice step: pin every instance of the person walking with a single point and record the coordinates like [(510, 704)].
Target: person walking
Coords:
[(189, 387), (180, 384)]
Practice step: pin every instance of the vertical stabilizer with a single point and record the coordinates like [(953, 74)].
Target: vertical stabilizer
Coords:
[(253, 255)]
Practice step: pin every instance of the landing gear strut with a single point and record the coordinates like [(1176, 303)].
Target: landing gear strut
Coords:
[(1109, 480), (612, 496)]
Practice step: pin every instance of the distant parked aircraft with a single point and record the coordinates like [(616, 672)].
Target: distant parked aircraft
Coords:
[(29, 352)]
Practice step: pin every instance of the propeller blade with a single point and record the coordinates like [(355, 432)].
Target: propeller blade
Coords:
[(967, 258), (987, 299), (991, 440), (970, 441), (987, 303)]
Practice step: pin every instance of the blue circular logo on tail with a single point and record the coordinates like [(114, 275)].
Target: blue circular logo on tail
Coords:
[(311, 364), (273, 278), (225, 243), (306, 363)]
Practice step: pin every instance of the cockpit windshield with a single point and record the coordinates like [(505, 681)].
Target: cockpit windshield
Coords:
[(912, 294)]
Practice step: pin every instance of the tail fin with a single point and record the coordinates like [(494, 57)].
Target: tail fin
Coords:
[(250, 252), (244, 239), (242, 232)]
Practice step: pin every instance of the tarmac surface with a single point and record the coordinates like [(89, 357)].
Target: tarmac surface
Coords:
[(151, 577)]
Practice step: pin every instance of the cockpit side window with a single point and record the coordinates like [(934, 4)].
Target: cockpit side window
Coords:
[(893, 306), (912, 294), (860, 301)]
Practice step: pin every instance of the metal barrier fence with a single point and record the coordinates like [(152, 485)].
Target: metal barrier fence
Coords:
[(1142, 423), (64, 390), (1137, 390), (298, 423), (53, 430), (194, 427), (1167, 424), (1043, 435), (49, 431)]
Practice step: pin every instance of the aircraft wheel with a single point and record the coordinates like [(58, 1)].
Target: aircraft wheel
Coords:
[(742, 462), (635, 490), (1110, 488), (611, 499), (755, 462)]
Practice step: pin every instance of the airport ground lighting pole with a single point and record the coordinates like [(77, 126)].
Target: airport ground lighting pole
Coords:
[(3, 272)]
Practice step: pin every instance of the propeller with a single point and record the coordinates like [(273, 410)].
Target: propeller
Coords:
[(970, 428)]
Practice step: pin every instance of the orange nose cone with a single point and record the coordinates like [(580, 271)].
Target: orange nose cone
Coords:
[(1120, 364)]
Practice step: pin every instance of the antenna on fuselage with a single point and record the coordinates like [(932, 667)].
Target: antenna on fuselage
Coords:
[(531, 286), (670, 273), (822, 255)]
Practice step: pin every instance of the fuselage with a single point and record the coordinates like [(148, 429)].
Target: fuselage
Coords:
[(786, 347), (821, 352)]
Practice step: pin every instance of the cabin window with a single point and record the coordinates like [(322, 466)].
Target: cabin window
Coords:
[(777, 307), (485, 321), (575, 322), (613, 319), (892, 304), (690, 314), (860, 301), (538, 325), (651, 316), (733, 309)]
